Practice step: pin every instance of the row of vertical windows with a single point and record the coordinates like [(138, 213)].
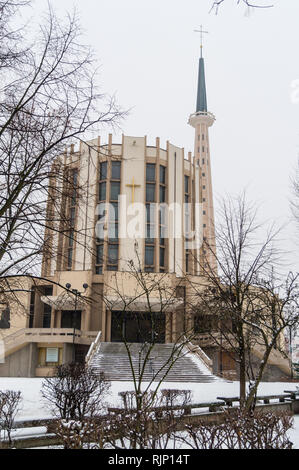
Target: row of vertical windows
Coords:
[(187, 199), (113, 184), (72, 217), (162, 218), (150, 196), (150, 246)]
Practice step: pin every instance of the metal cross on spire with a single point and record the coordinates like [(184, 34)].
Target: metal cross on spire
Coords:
[(202, 32)]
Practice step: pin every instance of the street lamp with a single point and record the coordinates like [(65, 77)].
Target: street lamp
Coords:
[(77, 294)]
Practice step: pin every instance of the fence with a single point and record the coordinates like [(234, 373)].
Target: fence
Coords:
[(213, 412)]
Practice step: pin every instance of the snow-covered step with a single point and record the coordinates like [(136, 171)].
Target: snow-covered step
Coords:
[(113, 360)]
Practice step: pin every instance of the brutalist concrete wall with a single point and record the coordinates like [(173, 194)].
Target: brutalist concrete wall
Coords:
[(22, 363), (272, 373)]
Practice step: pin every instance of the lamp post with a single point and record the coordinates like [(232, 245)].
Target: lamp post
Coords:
[(77, 294)]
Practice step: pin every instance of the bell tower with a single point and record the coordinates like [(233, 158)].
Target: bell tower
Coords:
[(202, 120)]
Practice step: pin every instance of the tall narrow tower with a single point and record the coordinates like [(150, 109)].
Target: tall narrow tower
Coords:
[(201, 120)]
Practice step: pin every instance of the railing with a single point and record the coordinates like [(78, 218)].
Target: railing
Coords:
[(264, 398), (195, 349), (36, 335), (93, 348), (12, 338)]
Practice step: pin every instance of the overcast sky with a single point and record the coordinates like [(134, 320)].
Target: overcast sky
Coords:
[(149, 58)]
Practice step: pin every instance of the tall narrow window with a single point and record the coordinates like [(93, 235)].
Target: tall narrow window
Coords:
[(31, 311), (162, 218), (48, 291), (113, 243), (188, 212), (149, 260), (103, 181), (5, 318), (72, 218)]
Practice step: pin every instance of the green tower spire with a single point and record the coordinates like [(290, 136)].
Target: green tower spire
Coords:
[(201, 105)]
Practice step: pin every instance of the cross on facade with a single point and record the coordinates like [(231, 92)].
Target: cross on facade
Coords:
[(202, 32), (133, 186)]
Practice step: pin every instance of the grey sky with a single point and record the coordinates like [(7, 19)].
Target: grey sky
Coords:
[(149, 55)]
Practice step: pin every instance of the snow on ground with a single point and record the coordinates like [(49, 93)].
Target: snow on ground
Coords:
[(33, 406)]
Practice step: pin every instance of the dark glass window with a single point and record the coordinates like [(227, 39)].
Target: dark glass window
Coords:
[(162, 256), (74, 197), (113, 211), (150, 192), (115, 170), (112, 254), (102, 191), (150, 233), (72, 216), (5, 319), (204, 323), (113, 232), (71, 238), (99, 254), (47, 317), (75, 177), (111, 267), (32, 302), (103, 171), (187, 262), (70, 258), (71, 319), (150, 172), (48, 290), (186, 184), (162, 174), (114, 190), (162, 193), (162, 235), (149, 255), (150, 213)]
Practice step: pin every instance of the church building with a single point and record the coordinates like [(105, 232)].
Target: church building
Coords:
[(134, 219)]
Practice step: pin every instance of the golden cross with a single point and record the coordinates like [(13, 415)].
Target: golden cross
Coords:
[(133, 186), (202, 32)]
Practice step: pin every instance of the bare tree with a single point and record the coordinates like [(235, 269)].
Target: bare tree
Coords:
[(153, 426), (241, 430), (48, 99), (257, 4), (75, 392), (9, 407), (295, 195), (75, 396), (250, 304)]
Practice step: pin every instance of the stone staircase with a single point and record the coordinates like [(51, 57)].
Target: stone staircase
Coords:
[(113, 360)]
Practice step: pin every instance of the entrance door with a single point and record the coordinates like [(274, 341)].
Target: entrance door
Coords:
[(71, 319), (137, 327)]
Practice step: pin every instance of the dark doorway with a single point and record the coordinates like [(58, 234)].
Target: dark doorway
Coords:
[(138, 327), (71, 319), (80, 353)]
